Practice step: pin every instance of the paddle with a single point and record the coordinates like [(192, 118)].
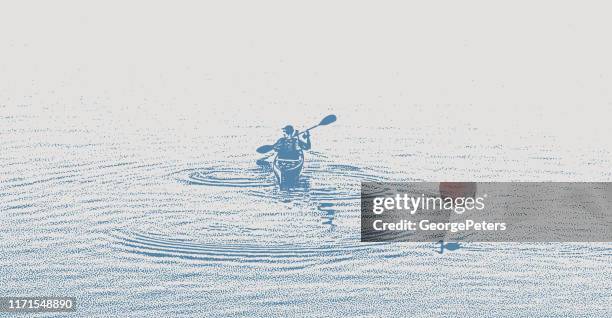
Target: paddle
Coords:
[(263, 160), (265, 148), (325, 121)]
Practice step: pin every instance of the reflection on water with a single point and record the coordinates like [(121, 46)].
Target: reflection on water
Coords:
[(328, 213)]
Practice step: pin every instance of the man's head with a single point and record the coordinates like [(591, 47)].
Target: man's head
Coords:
[(288, 130)]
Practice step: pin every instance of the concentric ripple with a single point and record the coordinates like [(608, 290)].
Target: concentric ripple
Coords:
[(319, 181), (226, 177), (293, 256)]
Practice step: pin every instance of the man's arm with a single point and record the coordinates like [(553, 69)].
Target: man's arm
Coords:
[(305, 145)]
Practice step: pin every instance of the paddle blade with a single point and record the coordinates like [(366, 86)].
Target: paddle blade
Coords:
[(265, 148), (328, 120)]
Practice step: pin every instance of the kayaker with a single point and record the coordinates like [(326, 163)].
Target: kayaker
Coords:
[(290, 146)]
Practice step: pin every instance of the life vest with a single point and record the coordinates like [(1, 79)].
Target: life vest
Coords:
[(289, 148)]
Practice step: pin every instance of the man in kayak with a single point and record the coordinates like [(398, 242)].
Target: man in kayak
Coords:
[(290, 146)]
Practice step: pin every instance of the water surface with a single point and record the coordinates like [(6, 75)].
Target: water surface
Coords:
[(175, 217)]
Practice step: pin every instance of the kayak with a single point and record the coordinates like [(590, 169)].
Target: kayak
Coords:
[(287, 171)]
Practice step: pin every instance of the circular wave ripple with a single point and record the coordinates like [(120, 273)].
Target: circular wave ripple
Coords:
[(331, 182), (288, 256), (226, 177)]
